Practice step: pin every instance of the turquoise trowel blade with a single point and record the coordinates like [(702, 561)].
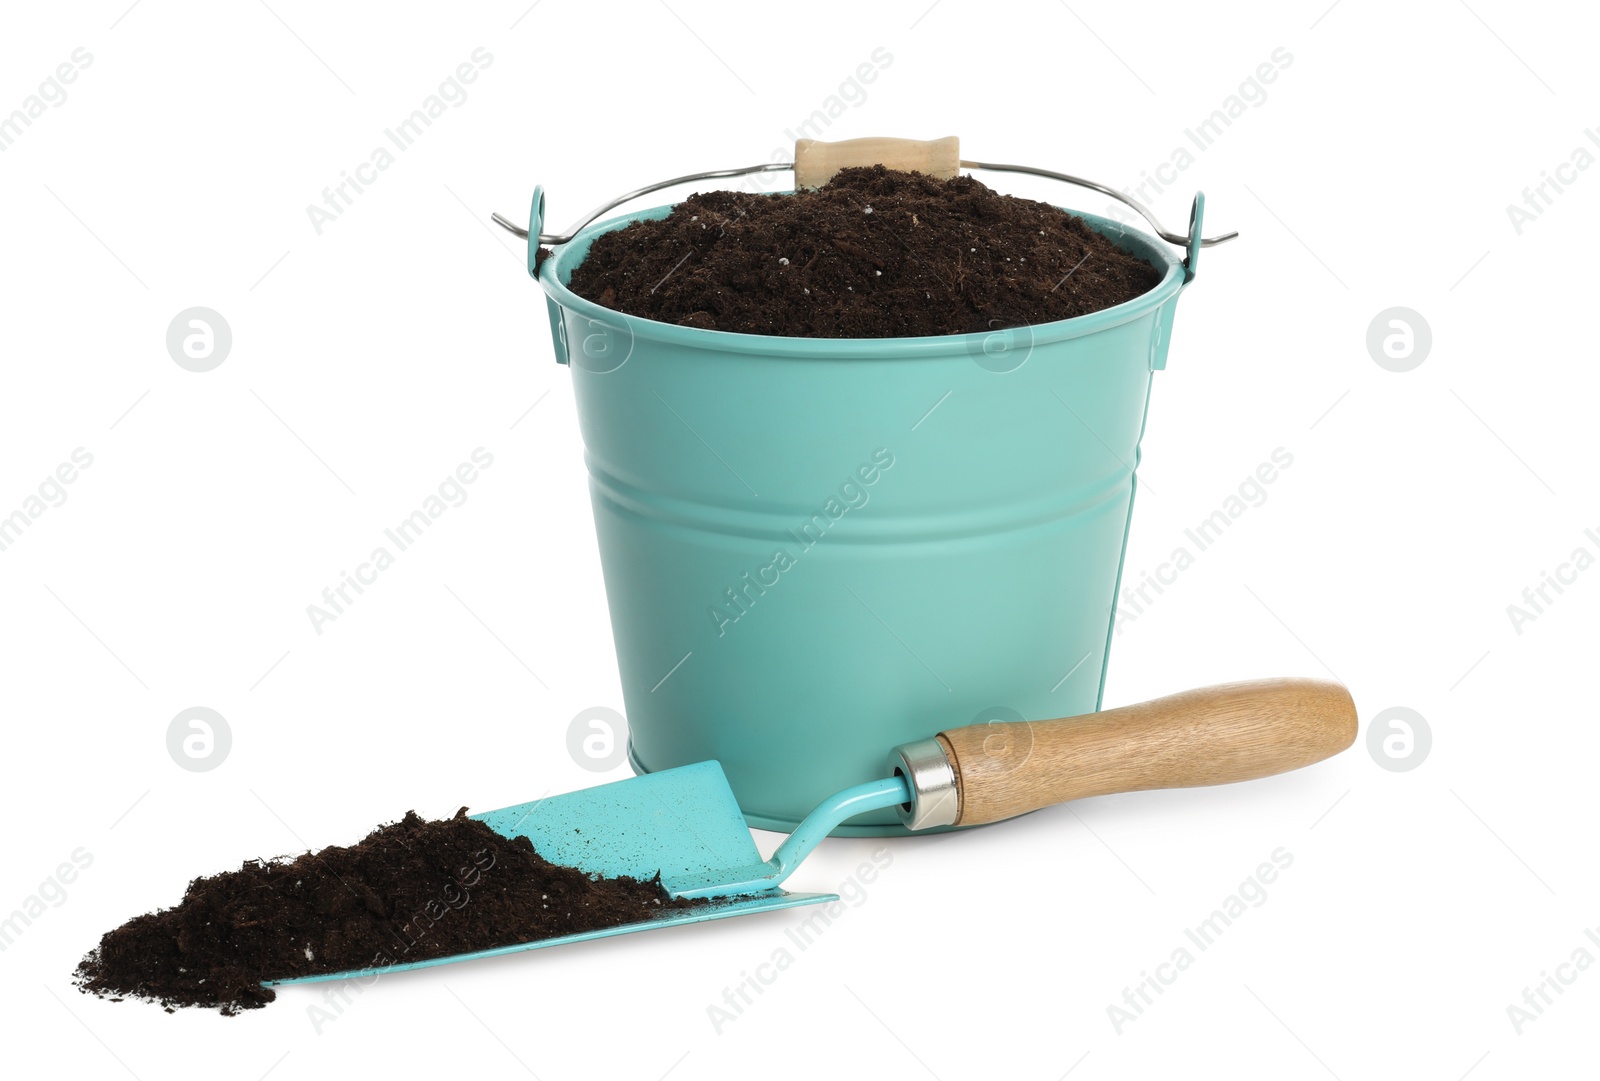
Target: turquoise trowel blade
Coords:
[(683, 823), (716, 910)]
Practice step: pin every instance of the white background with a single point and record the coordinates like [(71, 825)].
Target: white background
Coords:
[(370, 360)]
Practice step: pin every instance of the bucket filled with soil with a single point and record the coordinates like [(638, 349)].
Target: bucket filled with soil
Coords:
[(861, 456)]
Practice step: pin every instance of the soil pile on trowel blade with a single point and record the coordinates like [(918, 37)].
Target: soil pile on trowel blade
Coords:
[(874, 253), (409, 891)]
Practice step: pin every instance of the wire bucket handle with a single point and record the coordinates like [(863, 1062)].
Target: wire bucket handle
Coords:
[(816, 161)]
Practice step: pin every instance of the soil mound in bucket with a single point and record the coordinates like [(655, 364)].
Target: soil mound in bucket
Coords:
[(410, 891), (875, 253)]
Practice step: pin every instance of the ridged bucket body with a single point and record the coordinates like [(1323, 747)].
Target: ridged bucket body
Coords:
[(817, 549)]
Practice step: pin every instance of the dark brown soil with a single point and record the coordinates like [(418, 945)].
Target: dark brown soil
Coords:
[(874, 254), (410, 891)]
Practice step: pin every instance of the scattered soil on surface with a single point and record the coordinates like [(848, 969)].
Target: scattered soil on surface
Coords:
[(409, 891), (875, 253)]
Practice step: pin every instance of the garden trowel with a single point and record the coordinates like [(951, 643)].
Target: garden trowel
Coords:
[(685, 823)]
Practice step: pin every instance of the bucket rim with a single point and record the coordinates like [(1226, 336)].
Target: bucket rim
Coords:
[(638, 327)]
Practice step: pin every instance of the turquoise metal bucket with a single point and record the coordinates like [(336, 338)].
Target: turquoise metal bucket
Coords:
[(817, 549)]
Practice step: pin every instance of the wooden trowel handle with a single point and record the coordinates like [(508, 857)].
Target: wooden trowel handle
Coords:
[(1217, 735)]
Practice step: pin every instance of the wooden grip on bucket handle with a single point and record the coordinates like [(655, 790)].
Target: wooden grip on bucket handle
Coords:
[(1215, 735), (816, 161)]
